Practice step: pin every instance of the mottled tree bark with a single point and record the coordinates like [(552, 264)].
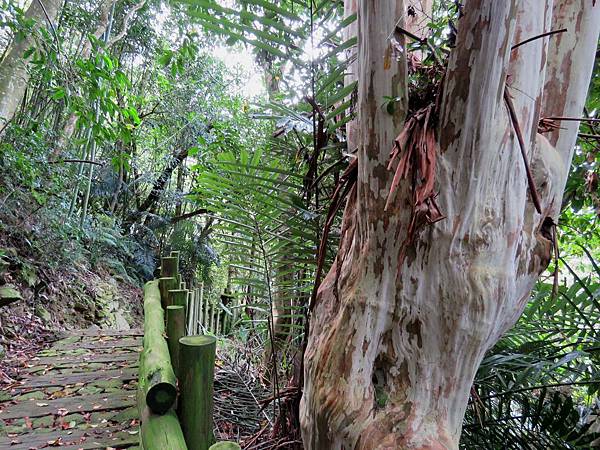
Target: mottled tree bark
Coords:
[(401, 323), (14, 75)]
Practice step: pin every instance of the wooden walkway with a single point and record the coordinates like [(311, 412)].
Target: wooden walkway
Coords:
[(78, 394)]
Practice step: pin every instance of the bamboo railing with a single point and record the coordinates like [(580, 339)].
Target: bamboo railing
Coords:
[(176, 374)]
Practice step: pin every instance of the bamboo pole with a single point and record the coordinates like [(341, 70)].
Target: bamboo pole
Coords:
[(191, 311), (175, 331), (169, 266), (165, 285), (158, 432), (207, 315), (225, 445), (179, 297), (197, 357), (182, 285), (201, 305), (156, 372)]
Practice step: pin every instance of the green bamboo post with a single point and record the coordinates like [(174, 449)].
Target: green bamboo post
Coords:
[(197, 359), (179, 297), (175, 331), (169, 266), (207, 315), (212, 318), (182, 285), (225, 445), (200, 307), (191, 312), (158, 432), (166, 284)]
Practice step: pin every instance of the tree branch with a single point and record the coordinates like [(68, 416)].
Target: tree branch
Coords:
[(513, 117), (84, 161), (188, 215), (539, 36), (126, 21)]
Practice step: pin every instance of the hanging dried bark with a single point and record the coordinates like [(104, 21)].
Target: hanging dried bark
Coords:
[(415, 151)]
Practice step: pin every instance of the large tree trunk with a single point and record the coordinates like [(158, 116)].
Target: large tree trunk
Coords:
[(14, 75), (409, 308)]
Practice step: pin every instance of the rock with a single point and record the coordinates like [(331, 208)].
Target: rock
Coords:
[(43, 313), (9, 294), (121, 323)]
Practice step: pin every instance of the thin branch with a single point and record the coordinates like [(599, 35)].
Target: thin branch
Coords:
[(574, 119), (539, 36), (188, 215), (126, 21), (51, 24), (150, 112), (513, 117), (83, 161), (589, 136), (424, 41)]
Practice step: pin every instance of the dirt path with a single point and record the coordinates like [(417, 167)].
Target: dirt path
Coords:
[(78, 394)]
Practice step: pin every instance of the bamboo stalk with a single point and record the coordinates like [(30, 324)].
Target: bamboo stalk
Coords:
[(175, 331), (191, 311), (156, 372), (179, 297), (197, 357), (225, 445), (166, 284), (158, 432), (169, 266), (201, 305)]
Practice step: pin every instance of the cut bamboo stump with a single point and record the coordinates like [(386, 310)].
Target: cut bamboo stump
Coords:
[(169, 266), (225, 445), (197, 359), (159, 432), (175, 331), (165, 285), (156, 372)]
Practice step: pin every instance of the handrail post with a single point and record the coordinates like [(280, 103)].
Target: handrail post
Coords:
[(197, 359), (175, 331), (169, 266), (166, 284)]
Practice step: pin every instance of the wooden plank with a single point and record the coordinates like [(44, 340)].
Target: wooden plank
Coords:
[(77, 404), (101, 333), (126, 374), (93, 333), (93, 345), (90, 438), (86, 358), (83, 366)]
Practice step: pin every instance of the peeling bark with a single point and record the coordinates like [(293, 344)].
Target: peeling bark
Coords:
[(395, 342)]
